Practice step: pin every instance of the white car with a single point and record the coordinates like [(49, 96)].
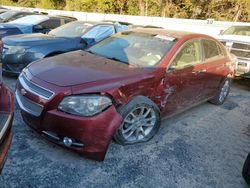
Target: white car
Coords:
[(237, 41)]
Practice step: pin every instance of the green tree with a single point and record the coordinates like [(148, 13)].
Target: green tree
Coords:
[(46, 4), (228, 10)]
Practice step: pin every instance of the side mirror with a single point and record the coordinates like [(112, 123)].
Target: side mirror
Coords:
[(88, 41), (84, 42), (170, 69)]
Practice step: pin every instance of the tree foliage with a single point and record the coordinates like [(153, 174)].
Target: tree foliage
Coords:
[(230, 10)]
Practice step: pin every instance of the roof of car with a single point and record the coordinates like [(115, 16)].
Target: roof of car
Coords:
[(64, 16), (94, 22), (20, 11), (38, 16), (166, 32), (120, 22)]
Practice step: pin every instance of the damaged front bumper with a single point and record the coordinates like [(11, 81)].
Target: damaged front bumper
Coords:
[(89, 136)]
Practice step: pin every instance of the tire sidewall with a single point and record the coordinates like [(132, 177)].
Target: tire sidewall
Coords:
[(216, 99)]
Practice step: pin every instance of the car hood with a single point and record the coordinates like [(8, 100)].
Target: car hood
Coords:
[(22, 28), (79, 67), (35, 39), (234, 38)]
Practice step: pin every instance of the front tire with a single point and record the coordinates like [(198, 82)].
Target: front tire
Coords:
[(223, 92), (246, 169), (141, 121)]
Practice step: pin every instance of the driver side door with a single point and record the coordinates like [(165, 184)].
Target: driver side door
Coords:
[(183, 81)]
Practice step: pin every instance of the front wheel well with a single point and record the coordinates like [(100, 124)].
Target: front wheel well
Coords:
[(140, 98)]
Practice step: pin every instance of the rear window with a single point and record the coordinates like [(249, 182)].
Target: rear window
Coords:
[(211, 50)]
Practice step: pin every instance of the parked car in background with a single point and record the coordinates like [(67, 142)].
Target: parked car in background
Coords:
[(237, 40), (20, 50), (6, 118), (11, 15), (246, 169), (33, 24), (125, 25), (3, 10), (121, 87)]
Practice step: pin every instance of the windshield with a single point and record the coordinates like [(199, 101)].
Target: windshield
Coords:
[(73, 29), (238, 30), (30, 20), (134, 48), (7, 15)]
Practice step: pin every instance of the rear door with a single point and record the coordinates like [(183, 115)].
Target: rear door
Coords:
[(184, 79), (215, 62)]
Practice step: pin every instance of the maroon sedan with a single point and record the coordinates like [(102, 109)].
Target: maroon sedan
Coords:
[(122, 87), (6, 117)]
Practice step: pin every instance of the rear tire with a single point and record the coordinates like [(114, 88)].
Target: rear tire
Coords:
[(246, 169), (223, 92), (141, 121)]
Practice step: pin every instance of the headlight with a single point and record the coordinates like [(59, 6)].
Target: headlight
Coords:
[(85, 105), (15, 50)]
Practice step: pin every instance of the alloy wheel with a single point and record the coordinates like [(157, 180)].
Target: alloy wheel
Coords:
[(138, 124)]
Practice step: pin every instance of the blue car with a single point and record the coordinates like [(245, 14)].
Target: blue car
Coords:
[(33, 24), (10, 15), (20, 50)]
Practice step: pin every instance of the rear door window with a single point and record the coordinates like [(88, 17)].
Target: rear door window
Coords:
[(55, 23), (211, 50), (65, 21), (51, 24), (190, 54)]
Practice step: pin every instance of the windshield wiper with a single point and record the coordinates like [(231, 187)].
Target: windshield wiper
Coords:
[(111, 58), (116, 59)]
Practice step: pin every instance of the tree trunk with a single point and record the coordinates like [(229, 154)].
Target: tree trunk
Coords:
[(238, 13), (142, 7)]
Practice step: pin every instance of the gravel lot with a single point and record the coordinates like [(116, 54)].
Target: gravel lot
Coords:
[(203, 147)]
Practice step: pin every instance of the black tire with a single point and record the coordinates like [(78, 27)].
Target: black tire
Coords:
[(135, 103), (53, 54), (217, 100), (246, 169)]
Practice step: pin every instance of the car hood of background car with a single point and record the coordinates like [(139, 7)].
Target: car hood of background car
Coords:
[(35, 39), (23, 28), (239, 38), (79, 67)]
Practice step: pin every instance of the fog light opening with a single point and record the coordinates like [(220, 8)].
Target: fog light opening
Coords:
[(67, 141)]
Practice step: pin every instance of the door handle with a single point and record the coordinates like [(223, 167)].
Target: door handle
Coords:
[(202, 71), (199, 71)]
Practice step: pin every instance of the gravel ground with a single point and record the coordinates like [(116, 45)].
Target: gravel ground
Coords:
[(203, 147)]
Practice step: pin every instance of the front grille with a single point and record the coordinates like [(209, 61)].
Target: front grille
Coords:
[(241, 50), (239, 53), (27, 105), (241, 46), (35, 89)]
